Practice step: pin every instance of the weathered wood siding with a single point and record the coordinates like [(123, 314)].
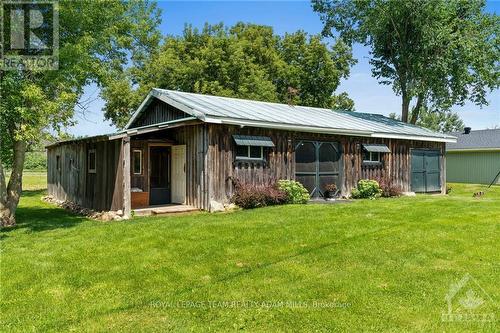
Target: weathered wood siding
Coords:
[(102, 190), (140, 181), (221, 166), (281, 159), (158, 112), (195, 137), (210, 164)]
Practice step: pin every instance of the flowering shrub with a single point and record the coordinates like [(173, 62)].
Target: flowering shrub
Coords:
[(296, 192), (388, 189), (367, 189), (250, 196)]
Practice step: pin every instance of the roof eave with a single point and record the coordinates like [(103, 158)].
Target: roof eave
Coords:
[(472, 150), (323, 130)]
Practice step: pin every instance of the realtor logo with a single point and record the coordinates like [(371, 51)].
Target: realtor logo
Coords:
[(29, 33), (467, 301)]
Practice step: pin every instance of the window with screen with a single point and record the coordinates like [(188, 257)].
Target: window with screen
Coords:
[(371, 157), (249, 152), (92, 161), (137, 161)]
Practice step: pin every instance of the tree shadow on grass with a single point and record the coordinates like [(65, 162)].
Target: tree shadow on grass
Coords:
[(41, 218)]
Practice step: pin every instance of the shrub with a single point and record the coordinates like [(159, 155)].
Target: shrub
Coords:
[(296, 192), (367, 189), (388, 189), (35, 161), (250, 196)]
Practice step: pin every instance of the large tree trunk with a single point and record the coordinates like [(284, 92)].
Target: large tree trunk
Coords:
[(405, 107), (3, 192), (415, 113), (9, 197)]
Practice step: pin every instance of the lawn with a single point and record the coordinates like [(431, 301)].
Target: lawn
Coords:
[(382, 265)]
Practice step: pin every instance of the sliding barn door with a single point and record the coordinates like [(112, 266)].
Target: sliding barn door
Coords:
[(179, 174)]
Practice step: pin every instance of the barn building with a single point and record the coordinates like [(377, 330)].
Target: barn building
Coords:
[(186, 149)]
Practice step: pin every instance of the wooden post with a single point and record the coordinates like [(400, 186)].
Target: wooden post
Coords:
[(443, 168), (126, 178)]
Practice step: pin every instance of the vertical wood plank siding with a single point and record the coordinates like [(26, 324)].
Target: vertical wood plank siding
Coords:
[(140, 181), (158, 112), (102, 190), (195, 139), (281, 159), (210, 164)]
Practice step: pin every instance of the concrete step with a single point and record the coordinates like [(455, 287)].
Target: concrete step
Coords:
[(166, 209)]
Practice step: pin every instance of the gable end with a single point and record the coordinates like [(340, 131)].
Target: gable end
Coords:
[(158, 112)]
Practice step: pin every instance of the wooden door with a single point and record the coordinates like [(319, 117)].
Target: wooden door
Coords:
[(425, 171), (179, 174)]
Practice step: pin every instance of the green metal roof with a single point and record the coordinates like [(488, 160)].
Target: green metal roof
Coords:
[(242, 112), (248, 140), (376, 148)]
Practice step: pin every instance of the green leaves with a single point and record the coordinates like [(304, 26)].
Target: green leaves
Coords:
[(244, 61), (97, 40), (367, 189), (433, 52)]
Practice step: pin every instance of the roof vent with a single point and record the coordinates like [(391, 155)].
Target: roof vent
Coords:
[(467, 130)]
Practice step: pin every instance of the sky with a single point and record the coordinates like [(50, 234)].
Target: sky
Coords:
[(284, 16)]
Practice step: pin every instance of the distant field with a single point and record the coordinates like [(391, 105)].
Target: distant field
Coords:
[(32, 180)]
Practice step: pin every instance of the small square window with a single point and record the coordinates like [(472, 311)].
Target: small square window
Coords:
[(250, 152), (371, 157), (137, 157), (242, 151), (255, 152), (92, 161), (366, 156)]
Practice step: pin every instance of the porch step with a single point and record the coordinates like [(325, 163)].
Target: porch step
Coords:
[(166, 209)]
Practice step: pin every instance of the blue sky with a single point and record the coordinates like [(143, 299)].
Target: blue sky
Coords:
[(285, 16)]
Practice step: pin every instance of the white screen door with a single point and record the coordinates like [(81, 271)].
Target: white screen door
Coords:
[(179, 174)]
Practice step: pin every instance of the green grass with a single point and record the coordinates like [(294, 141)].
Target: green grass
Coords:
[(32, 180), (383, 265)]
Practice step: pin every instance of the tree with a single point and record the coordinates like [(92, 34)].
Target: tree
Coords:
[(342, 102), (244, 61), (97, 39), (440, 121), (437, 53), (313, 69), (444, 121)]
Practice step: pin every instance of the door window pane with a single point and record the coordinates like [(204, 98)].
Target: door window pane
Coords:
[(305, 157), (308, 181), (326, 180), (328, 158)]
